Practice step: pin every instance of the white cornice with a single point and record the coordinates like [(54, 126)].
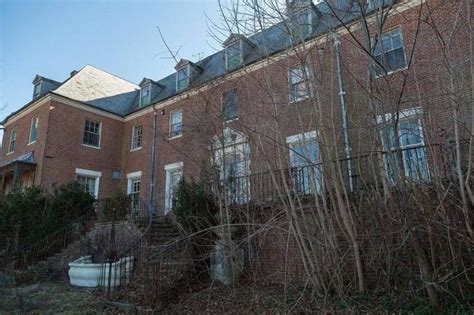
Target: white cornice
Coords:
[(52, 97)]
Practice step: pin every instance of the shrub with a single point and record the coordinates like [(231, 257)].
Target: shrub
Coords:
[(34, 214), (193, 207)]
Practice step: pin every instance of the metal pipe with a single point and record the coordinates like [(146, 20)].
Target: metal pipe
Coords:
[(342, 93), (153, 162)]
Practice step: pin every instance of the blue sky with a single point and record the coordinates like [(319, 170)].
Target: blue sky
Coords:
[(54, 37)]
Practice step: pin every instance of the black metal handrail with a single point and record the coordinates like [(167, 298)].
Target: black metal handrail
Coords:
[(416, 164), (118, 270), (56, 241)]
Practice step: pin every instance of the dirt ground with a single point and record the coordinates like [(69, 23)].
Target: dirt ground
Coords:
[(48, 298)]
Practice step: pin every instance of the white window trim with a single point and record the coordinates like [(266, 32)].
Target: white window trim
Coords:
[(131, 177), (169, 168), (307, 81), (404, 54), (13, 131), (241, 55), (131, 140), (188, 71), (96, 174), (148, 87), (302, 137), (31, 129), (406, 114), (100, 136), (403, 114), (170, 124)]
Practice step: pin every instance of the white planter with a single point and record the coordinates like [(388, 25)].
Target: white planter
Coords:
[(84, 273)]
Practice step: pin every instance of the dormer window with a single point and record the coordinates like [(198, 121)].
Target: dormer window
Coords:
[(182, 78), (145, 95), (233, 55), (302, 25), (37, 90)]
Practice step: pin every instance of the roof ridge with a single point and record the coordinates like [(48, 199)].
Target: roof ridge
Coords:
[(109, 73)]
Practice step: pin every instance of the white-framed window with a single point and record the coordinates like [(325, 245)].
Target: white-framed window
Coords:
[(92, 131), (176, 123), (136, 141), (12, 141), (230, 105), (145, 95), (304, 162), (404, 147), (231, 159), (389, 51), (37, 90), (182, 78), (33, 130), (174, 173), (89, 181), (299, 77), (233, 55), (133, 189)]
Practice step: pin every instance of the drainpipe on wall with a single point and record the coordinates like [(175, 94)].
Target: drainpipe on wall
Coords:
[(153, 161), (342, 93)]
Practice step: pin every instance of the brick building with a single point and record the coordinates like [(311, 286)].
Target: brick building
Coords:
[(307, 91)]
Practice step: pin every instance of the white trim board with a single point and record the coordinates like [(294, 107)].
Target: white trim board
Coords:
[(135, 175)]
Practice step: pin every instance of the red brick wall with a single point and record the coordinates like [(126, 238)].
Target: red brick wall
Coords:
[(64, 150)]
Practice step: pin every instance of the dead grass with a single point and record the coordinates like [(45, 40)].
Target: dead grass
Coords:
[(48, 298)]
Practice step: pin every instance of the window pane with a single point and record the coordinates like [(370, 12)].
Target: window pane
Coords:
[(233, 55), (176, 123), (409, 132), (182, 78), (230, 101), (91, 133)]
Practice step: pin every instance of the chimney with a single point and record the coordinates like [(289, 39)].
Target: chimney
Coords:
[(295, 6), (73, 73)]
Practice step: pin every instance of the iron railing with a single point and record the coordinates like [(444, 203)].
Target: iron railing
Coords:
[(416, 164), (119, 269), (55, 242)]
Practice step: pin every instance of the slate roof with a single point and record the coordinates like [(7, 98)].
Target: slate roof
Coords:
[(100, 89), (103, 90), (28, 157)]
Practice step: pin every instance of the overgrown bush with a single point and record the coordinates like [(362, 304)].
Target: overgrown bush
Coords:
[(193, 207), (115, 206), (28, 215)]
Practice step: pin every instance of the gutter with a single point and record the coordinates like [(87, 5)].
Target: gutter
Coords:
[(153, 161)]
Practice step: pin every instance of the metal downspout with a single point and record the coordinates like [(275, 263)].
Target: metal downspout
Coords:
[(153, 162), (342, 93)]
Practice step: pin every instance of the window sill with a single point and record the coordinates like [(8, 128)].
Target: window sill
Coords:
[(175, 137), (391, 72), (136, 149), (299, 100), (90, 146), (32, 143), (231, 120), (10, 153)]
